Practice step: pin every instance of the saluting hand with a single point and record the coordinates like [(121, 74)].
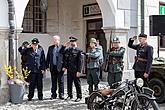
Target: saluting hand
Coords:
[(134, 38), (145, 75), (67, 44)]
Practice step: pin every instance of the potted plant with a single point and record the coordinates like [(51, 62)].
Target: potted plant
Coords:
[(16, 81)]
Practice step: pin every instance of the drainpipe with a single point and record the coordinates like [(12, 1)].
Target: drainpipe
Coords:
[(142, 16), (11, 35)]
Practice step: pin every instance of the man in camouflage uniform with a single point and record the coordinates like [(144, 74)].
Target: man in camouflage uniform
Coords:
[(93, 65), (114, 62)]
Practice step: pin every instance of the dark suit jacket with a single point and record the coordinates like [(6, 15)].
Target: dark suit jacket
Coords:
[(145, 52), (35, 61), (23, 57), (73, 60), (49, 59)]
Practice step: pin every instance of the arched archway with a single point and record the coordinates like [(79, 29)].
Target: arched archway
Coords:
[(107, 16)]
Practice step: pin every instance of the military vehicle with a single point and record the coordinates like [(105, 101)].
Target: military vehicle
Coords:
[(157, 78)]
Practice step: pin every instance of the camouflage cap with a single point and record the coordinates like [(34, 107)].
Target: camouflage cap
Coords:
[(93, 40)]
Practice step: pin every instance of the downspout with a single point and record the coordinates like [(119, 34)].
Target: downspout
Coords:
[(142, 16), (11, 35)]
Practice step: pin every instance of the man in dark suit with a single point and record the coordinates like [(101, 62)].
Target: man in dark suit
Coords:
[(54, 61), (36, 66), (73, 64), (144, 57)]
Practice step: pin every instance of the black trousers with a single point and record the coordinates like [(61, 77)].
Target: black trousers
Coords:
[(57, 77), (35, 80), (140, 74), (71, 77)]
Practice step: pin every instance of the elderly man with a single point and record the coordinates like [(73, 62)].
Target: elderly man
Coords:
[(54, 61), (36, 64), (144, 57)]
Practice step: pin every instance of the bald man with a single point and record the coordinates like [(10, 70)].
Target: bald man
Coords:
[(54, 61)]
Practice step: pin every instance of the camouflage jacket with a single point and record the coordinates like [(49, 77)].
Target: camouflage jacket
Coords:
[(114, 59), (93, 58)]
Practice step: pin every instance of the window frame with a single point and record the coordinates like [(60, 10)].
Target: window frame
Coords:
[(42, 26)]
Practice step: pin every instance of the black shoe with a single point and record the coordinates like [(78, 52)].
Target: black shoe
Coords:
[(29, 99), (53, 97), (69, 97), (61, 97), (78, 99), (40, 98)]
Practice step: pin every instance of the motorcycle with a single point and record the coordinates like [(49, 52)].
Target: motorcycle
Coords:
[(128, 95)]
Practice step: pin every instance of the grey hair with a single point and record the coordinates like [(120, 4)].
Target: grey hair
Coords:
[(56, 36)]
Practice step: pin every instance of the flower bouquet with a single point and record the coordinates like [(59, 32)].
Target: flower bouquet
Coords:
[(16, 77), (16, 83)]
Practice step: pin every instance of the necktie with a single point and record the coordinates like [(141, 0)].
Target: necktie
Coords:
[(55, 55)]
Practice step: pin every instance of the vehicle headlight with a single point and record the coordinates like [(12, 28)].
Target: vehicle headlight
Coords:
[(139, 82)]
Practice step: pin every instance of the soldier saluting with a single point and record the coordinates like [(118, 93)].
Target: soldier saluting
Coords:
[(114, 62), (73, 64), (143, 58)]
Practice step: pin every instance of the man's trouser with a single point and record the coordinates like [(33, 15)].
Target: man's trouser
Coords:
[(72, 77), (35, 80), (114, 77), (93, 78), (57, 77)]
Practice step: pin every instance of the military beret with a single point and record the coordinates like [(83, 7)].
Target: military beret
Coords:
[(93, 40), (25, 43), (35, 41), (72, 39), (116, 39), (143, 35)]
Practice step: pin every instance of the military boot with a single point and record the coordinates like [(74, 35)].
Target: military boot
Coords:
[(96, 87), (90, 89)]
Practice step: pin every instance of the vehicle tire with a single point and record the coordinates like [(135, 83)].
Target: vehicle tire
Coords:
[(145, 104), (94, 101), (159, 89)]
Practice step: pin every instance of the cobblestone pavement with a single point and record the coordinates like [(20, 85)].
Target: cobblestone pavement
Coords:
[(55, 104)]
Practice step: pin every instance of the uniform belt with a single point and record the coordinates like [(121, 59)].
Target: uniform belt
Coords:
[(141, 59)]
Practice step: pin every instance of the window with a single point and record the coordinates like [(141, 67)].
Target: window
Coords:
[(34, 19)]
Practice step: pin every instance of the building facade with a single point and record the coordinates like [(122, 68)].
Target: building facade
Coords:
[(82, 18)]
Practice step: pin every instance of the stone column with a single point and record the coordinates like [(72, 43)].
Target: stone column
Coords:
[(122, 34), (4, 51)]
